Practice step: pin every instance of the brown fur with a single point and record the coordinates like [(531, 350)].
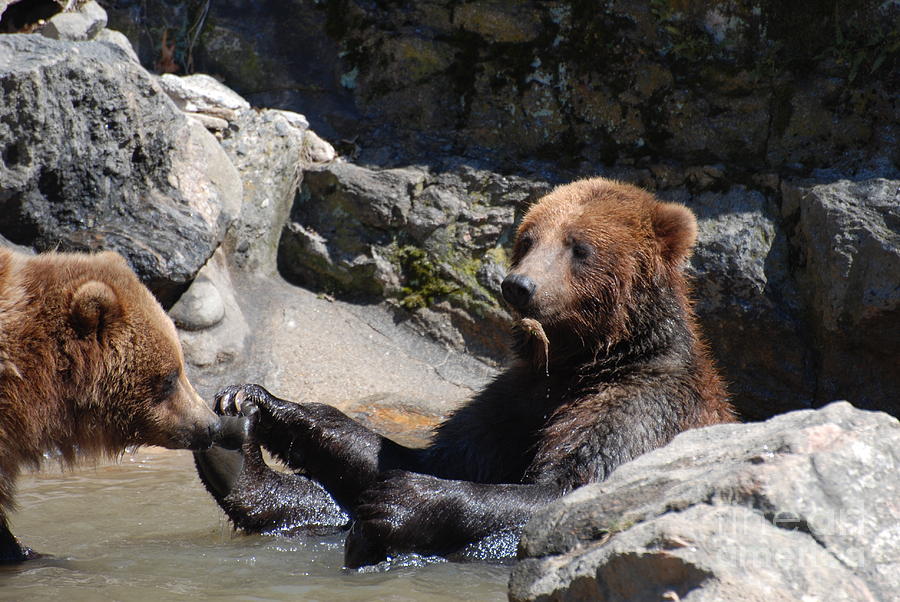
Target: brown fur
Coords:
[(89, 364), (636, 244)]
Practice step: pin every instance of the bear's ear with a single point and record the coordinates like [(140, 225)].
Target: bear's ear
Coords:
[(676, 230), (94, 308)]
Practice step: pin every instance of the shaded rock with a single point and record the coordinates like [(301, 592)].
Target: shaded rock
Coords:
[(745, 300), (752, 84), (4, 242), (95, 156), (24, 16), (848, 238), (804, 500), (499, 21), (82, 24)]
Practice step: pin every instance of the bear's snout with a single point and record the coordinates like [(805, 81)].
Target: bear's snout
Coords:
[(518, 290)]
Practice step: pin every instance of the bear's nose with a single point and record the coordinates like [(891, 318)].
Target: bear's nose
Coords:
[(518, 290)]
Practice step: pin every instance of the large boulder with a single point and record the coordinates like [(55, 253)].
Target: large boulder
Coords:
[(93, 155), (803, 504), (267, 148), (745, 299), (847, 237)]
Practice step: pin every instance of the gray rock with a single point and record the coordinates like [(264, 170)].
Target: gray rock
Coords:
[(117, 39), (851, 234), (212, 327), (848, 241), (201, 93), (746, 300), (316, 150), (82, 24), (433, 243), (266, 148), (802, 503), (702, 553), (295, 120), (434, 208), (200, 307), (94, 156), (213, 124)]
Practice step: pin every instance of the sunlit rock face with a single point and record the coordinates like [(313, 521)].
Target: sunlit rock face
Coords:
[(96, 156)]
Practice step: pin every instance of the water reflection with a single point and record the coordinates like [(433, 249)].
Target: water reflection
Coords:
[(145, 529)]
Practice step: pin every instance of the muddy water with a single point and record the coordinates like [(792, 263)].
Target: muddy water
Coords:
[(144, 529)]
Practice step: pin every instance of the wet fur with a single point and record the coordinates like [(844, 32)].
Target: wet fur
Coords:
[(626, 372)]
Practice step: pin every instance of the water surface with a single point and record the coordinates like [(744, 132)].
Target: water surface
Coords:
[(145, 529)]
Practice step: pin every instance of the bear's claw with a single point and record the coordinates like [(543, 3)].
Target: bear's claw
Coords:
[(239, 400)]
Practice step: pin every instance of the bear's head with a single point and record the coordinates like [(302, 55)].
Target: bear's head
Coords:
[(598, 262), (126, 366)]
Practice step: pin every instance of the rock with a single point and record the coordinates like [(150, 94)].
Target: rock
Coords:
[(4, 242), (117, 39), (212, 327), (750, 85), (408, 421), (200, 307), (851, 236), (95, 156), (296, 120), (82, 24), (201, 93), (499, 21), (213, 124), (745, 299), (848, 239), (668, 558), (266, 147), (316, 150), (432, 243), (803, 504)]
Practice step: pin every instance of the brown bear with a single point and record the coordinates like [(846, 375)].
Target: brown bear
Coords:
[(89, 364), (609, 365)]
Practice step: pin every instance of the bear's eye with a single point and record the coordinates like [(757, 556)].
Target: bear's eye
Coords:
[(580, 250), (524, 244), (167, 384)]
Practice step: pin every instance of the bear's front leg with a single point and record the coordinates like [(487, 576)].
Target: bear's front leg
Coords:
[(409, 512), (323, 442), (258, 499), (11, 551)]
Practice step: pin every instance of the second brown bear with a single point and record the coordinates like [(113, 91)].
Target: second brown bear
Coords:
[(609, 366), (89, 364)]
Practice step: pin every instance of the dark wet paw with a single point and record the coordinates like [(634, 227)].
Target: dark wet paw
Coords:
[(239, 400), (361, 548)]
